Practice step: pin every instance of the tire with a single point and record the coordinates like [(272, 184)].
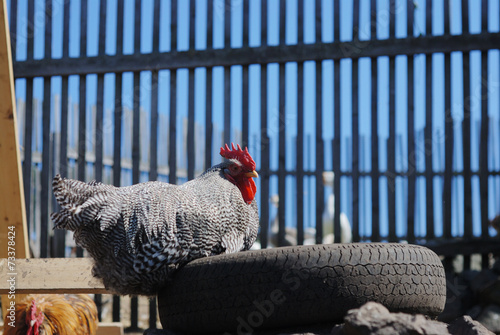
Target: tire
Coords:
[(301, 285)]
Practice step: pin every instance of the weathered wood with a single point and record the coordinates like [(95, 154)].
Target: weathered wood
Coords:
[(466, 247), (110, 328), (255, 55), (51, 275), (320, 153), (391, 151), (281, 154), (374, 132), (13, 241)]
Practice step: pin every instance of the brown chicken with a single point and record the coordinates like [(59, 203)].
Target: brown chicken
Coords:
[(44, 314)]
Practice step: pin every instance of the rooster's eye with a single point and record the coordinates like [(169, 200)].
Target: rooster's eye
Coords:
[(235, 169)]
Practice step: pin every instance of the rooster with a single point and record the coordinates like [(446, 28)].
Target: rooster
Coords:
[(45, 314), (139, 235)]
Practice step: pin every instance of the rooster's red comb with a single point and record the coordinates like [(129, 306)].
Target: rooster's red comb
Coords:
[(243, 156)]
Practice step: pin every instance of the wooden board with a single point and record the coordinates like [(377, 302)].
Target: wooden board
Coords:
[(110, 328), (52, 275), (13, 236)]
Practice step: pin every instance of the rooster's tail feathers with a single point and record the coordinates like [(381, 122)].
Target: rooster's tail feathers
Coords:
[(80, 202)]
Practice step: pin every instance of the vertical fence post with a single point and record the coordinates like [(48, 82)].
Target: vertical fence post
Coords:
[(13, 228)]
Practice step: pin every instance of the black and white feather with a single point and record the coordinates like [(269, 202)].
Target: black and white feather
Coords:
[(139, 235)]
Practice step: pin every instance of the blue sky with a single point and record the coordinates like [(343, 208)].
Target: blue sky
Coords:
[(328, 96)]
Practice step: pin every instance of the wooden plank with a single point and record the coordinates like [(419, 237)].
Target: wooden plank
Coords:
[(264, 165), (281, 132), (153, 140), (227, 104), (192, 26), (355, 129), (336, 154), (429, 175), (46, 169), (320, 165), (118, 115), (320, 153), (484, 143), (466, 132), (51, 275), (281, 155), (190, 131), (256, 55), (191, 97), (208, 119), (246, 22), (82, 128), (65, 45), (227, 25), (172, 152), (411, 152), (300, 148), (299, 168), (466, 246), (102, 27), (31, 31), (245, 117), (264, 172), (119, 27), (136, 129), (208, 88), (156, 26), (391, 152), (12, 211), (59, 234), (110, 328), (374, 173), (99, 120), (13, 28), (449, 147)]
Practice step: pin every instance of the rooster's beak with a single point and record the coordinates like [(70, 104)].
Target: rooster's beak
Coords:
[(252, 174)]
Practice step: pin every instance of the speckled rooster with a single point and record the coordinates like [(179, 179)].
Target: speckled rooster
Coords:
[(46, 314), (139, 235)]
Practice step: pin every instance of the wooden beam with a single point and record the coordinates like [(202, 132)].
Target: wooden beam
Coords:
[(253, 55), (13, 233), (110, 328), (52, 275)]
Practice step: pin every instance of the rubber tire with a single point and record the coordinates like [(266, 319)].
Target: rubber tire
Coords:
[(300, 285)]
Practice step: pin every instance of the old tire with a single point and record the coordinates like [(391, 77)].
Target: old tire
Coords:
[(302, 285)]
